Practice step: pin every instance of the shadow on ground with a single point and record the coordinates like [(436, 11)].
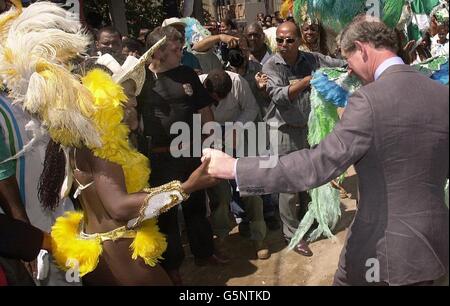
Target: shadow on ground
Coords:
[(283, 267), (242, 261)]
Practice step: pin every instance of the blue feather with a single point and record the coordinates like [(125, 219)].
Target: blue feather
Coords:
[(441, 75), (329, 90)]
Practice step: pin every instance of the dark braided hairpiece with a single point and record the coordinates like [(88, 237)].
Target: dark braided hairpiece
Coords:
[(52, 176)]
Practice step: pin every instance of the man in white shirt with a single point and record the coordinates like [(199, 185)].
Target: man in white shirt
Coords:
[(235, 104)]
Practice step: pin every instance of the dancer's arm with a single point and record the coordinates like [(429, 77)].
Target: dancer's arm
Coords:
[(136, 207), (162, 198)]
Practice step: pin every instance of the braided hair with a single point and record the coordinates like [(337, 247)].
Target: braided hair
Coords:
[(52, 176)]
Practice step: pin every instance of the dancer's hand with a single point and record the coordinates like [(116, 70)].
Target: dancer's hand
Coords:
[(220, 164), (199, 179)]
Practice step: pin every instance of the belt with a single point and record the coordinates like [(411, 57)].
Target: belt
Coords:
[(118, 233), (159, 150)]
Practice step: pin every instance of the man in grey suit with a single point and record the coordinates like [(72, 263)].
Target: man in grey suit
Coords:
[(395, 131)]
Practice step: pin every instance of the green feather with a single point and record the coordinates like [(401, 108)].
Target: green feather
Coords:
[(299, 6), (392, 10), (325, 200), (336, 14)]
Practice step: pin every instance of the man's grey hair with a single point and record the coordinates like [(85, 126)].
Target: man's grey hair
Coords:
[(368, 30), (158, 33)]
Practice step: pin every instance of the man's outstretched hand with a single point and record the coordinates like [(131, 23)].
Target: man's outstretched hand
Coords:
[(220, 165)]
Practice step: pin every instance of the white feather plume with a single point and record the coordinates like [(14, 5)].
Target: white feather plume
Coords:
[(33, 59)]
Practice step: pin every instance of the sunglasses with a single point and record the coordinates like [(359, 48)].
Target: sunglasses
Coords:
[(287, 40)]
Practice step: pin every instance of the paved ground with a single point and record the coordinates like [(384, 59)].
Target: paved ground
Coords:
[(283, 267)]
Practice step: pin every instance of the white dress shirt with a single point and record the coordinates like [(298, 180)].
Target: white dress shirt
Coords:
[(386, 64)]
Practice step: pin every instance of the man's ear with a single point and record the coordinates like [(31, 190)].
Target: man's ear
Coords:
[(361, 47)]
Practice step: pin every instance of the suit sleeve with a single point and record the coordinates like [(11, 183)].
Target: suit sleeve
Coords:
[(18, 239), (309, 168)]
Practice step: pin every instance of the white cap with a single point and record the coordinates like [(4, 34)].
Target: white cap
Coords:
[(132, 68), (173, 21)]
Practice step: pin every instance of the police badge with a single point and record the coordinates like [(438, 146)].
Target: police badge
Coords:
[(188, 89)]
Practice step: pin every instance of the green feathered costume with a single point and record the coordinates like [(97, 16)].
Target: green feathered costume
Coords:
[(336, 14)]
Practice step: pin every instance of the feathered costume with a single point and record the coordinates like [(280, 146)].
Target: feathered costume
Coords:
[(37, 44), (336, 14), (194, 31)]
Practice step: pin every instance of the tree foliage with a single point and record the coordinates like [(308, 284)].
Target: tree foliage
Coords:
[(139, 13)]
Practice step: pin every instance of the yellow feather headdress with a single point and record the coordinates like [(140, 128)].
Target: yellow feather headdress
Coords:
[(36, 44)]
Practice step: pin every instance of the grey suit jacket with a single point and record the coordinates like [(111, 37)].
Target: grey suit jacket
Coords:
[(395, 132)]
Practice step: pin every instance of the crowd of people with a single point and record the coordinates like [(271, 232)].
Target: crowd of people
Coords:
[(165, 77)]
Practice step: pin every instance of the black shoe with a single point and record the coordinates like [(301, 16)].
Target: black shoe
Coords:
[(301, 248)]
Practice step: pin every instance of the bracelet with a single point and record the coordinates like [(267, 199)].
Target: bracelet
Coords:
[(174, 199), (173, 185)]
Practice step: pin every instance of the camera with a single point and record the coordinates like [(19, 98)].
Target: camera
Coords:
[(233, 56)]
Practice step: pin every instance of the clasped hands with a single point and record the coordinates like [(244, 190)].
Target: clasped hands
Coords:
[(215, 165), (219, 164)]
